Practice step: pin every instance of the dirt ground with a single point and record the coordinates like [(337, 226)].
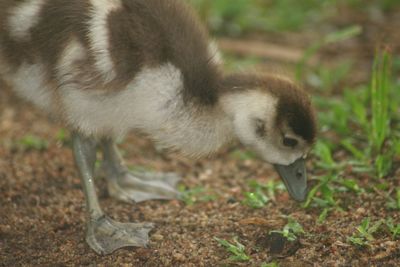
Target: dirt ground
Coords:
[(42, 219), (42, 212)]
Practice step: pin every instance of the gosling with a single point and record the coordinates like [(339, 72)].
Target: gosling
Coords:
[(108, 67)]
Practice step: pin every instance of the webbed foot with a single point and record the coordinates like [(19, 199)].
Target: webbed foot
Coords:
[(105, 235)]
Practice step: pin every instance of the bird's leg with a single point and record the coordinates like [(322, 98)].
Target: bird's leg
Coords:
[(104, 235), (135, 186)]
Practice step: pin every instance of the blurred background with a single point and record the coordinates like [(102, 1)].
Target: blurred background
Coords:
[(341, 35)]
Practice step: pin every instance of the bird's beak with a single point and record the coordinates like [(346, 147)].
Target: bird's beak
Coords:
[(295, 178)]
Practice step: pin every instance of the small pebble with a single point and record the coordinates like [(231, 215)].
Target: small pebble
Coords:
[(179, 257), (360, 211), (5, 229)]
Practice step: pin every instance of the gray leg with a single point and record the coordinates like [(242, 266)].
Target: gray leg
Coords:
[(104, 235), (132, 185)]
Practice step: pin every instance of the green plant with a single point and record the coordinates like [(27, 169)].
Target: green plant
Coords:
[(369, 142), (255, 200), (322, 193), (365, 232), (327, 78), (333, 37), (380, 115), (356, 99), (272, 187), (261, 194), (394, 203), (239, 16), (291, 230), (351, 184), (194, 195), (31, 142), (63, 138), (227, 17), (237, 249), (393, 228), (323, 152), (322, 216), (243, 154), (289, 15), (379, 92), (271, 264), (381, 5), (349, 146), (396, 147)]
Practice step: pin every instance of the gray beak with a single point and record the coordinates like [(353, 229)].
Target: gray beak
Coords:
[(295, 178)]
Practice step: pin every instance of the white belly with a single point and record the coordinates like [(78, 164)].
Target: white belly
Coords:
[(144, 104)]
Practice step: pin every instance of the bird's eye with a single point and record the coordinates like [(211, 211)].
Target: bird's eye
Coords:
[(290, 142)]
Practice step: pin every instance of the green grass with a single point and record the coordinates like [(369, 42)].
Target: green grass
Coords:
[(291, 230), (365, 232), (380, 97), (384, 5), (32, 142), (361, 119), (328, 78), (325, 76), (195, 195), (241, 154), (261, 194), (236, 249), (63, 138), (271, 264), (380, 93), (255, 200), (393, 228), (240, 16), (394, 203), (237, 17)]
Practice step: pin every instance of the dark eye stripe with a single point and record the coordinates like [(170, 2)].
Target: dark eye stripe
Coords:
[(290, 142)]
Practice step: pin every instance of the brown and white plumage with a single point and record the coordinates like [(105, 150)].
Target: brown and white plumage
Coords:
[(106, 67)]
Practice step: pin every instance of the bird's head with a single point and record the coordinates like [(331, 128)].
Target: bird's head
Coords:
[(273, 116)]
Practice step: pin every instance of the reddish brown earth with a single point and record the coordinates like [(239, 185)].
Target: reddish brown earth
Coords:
[(42, 212)]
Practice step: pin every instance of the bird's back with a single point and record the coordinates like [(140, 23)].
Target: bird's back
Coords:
[(82, 58), (103, 44)]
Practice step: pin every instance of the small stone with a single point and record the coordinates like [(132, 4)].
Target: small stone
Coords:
[(360, 211), (175, 235), (5, 229), (179, 257)]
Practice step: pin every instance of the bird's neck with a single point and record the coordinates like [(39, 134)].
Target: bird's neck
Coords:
[(198, 131), (187, 125)]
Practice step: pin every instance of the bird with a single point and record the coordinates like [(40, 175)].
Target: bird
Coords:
[(105, 68)]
